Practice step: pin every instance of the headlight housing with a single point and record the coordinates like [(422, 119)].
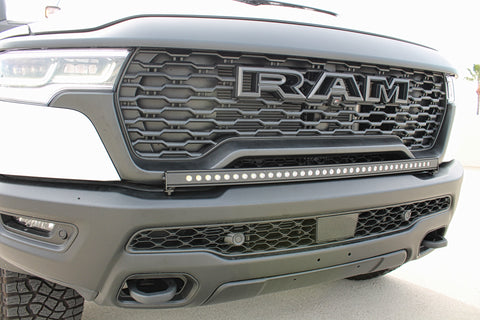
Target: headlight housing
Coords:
[(37, 75), (54, 143)]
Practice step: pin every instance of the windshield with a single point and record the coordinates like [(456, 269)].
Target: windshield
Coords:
[(25, 11)]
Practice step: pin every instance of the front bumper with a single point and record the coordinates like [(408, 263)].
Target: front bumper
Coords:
[(96, 264)]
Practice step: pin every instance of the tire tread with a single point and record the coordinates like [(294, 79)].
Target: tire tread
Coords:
[(25, 297)]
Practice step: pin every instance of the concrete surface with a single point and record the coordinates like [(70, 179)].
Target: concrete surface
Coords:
[(443, 285)]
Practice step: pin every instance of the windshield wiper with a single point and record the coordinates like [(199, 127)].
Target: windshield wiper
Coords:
[(285, 4)]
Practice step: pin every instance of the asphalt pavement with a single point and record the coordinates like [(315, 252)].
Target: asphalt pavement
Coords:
[(442, 285)]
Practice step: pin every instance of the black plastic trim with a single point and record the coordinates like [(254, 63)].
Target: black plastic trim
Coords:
[(283, 251), (96, 264), (249, 288)]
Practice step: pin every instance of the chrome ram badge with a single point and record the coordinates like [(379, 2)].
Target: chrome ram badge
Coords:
[(290, 85)]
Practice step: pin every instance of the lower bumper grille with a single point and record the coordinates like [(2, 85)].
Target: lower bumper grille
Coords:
[(266, 237)]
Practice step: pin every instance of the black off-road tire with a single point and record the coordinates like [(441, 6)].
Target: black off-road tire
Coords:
[(372, 275), (26, 297)]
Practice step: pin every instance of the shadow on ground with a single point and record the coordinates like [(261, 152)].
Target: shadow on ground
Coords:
[(385, 298)]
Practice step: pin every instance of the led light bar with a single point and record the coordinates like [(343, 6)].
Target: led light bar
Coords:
[(179, 179)]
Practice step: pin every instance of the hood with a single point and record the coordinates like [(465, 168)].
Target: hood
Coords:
[(89, 14), (306, 33), (86, 15)]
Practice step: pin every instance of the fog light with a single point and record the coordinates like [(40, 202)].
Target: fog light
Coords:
[(36, 224), (45, 234)]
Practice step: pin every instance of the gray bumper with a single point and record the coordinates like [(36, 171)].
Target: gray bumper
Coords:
[(96, 264)]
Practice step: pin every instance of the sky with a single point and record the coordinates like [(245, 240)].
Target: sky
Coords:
[(448, 26)]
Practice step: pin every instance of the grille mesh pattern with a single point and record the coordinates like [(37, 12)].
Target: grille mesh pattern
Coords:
[(274, 236), (311, 160), (179, 105), (393, 218)]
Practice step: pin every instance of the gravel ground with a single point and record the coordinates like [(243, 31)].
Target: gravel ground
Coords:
[(444, 284)]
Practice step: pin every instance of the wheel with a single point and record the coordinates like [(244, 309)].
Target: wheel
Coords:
[(372, 275), (26, 297)]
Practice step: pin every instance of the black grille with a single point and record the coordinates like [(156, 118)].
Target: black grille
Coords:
[(279, 235), (181, 104), (312, 160)]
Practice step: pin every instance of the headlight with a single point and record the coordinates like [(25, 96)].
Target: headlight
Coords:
[(37, 75)]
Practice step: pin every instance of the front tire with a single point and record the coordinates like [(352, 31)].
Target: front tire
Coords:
[(27, 297)]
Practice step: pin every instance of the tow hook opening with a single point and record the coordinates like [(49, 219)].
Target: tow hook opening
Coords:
[(152, 291), (157, 290), (433, 240)]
